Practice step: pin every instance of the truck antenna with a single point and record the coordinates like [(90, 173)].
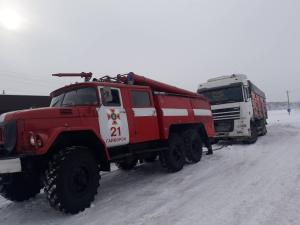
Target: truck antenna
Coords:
[(87, 76)]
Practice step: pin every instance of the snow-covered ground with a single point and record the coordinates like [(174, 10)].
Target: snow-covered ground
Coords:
[(238, 185)]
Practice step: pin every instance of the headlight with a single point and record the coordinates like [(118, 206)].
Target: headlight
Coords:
[(32, 139), (35, 140)]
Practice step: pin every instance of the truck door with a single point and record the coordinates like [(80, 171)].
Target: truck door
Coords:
[(112, 118), (143, 124)]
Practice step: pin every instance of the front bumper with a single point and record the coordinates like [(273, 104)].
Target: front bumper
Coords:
[(10, 165), (239, 128)]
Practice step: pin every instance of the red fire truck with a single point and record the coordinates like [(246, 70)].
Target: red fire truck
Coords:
[(88, 125)]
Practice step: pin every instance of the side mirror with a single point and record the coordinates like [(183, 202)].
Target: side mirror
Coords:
[(106, 94)]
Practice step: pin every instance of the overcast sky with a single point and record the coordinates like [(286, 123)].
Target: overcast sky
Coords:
[(181, 42)]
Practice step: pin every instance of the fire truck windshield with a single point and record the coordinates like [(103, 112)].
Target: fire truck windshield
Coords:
[(77, 97), (224, 95)]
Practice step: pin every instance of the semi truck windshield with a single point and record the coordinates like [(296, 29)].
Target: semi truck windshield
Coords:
[(224, 95)]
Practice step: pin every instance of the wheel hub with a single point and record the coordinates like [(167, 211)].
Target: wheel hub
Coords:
[(80, 180)]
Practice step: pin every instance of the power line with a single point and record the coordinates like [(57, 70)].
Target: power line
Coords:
[(47, 83), (288, 102), (22, 74), (8, 75)]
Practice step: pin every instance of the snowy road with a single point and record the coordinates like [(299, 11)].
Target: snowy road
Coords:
[(239, 185)]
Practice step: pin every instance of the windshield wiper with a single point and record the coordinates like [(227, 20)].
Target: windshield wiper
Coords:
[(68, 105)]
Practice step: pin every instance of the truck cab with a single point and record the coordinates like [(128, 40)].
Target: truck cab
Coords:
[(122, 111), (234, 107)]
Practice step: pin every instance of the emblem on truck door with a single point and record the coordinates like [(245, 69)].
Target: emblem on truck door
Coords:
[(113, 115), (114, 120)]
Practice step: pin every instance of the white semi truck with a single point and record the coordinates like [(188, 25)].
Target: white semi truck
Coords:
[(238, 107)]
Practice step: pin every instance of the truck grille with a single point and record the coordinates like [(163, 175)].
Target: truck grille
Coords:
[(226, 114), (1, 135), (224, 125)]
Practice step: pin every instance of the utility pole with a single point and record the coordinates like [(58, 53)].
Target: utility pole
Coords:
[(288, 102)]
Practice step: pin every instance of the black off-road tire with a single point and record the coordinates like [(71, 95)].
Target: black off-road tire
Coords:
[(72, 180), (193, 146), (20, 187), (174, 158), (127, 164), (254, 135)]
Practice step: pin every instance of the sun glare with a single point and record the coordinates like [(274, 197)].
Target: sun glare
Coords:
[(10, 19)]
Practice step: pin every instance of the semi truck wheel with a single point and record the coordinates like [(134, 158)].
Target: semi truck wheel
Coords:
[(264, 129), (174, 157), (72, 180), (254, 135), (20, 186), (128, 164), (193, 146)]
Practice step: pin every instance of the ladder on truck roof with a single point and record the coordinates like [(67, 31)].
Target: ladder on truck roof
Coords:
[(133, 79)]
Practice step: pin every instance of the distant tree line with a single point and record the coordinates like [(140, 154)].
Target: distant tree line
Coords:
[(282, 105)]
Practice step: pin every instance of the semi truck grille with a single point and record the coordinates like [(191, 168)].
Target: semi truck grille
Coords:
[(226, 114), (224, 126)]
